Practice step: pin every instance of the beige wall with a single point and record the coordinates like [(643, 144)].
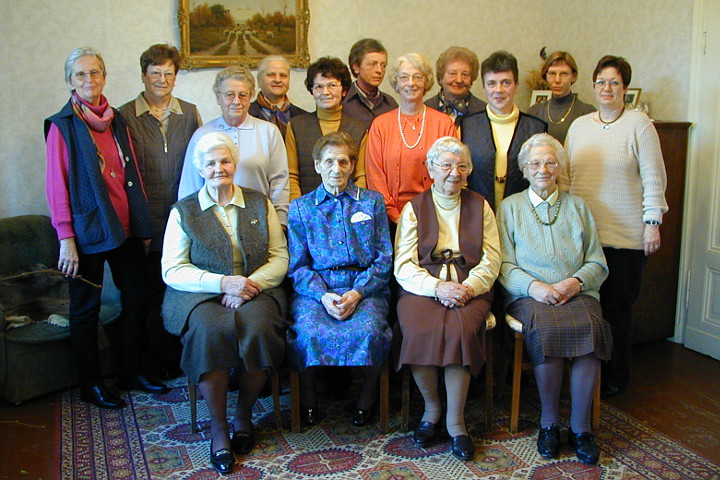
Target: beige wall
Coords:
[(654, 35)]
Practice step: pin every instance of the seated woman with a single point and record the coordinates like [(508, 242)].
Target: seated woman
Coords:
[(446, 269), (553, 266), (223, 257), (340, 264)]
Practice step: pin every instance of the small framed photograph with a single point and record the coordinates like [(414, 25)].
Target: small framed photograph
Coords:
[(632, 96), (540, 96), (242, 32)]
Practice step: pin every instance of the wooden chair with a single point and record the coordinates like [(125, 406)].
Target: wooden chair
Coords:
[(274, 382), (384, 400), (520, 364), (490, 323)]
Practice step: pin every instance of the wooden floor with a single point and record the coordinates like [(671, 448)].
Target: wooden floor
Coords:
[(674, 390)]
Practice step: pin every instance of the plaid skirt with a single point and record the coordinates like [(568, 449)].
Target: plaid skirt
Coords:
[(568, 331)]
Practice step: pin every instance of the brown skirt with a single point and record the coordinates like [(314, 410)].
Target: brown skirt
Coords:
[(571, 330), (433, 334)]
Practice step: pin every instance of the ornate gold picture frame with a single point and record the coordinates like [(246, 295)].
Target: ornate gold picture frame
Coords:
[(218, 33)]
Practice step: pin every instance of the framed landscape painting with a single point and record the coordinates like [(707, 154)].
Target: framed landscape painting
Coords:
[(217, 33)]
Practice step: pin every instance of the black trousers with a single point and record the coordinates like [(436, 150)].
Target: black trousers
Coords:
[(161, 347), (617, 297), (126, 266)]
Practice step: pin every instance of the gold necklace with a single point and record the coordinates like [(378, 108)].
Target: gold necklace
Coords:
[(566, 113), (547, 224)]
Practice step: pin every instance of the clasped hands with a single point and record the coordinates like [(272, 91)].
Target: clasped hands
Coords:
[(452, 294), (557, 293), (238, 290), (340, 307)]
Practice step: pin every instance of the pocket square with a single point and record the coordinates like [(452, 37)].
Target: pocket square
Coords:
[(359, 217)]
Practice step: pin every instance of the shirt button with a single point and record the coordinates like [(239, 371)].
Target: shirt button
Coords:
[(130, 184)]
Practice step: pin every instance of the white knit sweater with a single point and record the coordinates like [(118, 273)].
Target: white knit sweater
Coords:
[(620, 173)]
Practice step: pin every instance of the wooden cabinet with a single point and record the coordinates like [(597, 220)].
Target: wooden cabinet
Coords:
[(655, 309)]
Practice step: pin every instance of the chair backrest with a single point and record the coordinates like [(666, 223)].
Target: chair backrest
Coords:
[(27, 240)]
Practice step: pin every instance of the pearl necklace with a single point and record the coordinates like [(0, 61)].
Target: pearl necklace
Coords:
[(566, 113), (547, 224), (422, 129), (606, 125)]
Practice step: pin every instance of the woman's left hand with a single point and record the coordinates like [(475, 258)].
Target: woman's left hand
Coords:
[(348, 303), (651, 239), (452, 294), (232, 301), (568, 288)]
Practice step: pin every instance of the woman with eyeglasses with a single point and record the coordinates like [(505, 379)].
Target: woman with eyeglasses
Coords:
[(328, 81), (99, 209), (552, 268), (262, 164), (447, 257), (560, 72), (399, 140), (616, 165)]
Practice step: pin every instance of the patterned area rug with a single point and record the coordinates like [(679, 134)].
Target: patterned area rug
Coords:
[(151, 439)]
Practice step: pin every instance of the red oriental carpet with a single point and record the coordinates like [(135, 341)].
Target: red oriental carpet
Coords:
[(151, 439)]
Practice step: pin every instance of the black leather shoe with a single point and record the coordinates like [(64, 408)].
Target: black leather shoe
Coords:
[(242, 442), (223, 460), (101, 397), (548, 442), (584, 446), (141, 382), (424, 434), (310, 415), (608, 391), (362, 416), (463, 447)]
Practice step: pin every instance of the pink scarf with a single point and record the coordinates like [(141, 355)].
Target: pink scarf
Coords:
[(97, 118)]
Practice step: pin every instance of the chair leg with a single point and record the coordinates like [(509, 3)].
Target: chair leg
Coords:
[(596, 406), (384, 398), (517, 374), (405, 410), (192, 393), (275, 382), (488, 379), (294, 402)]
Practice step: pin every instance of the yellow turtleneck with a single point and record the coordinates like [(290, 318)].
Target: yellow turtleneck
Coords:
[(329, 121), (503, 128)]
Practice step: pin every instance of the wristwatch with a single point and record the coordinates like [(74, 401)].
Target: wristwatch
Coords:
[(652, 222), (582, 284)]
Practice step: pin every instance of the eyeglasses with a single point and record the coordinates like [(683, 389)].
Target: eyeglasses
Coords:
[(405, 78), (230, 96), (535, 165), (318, 88), (328, 163), (93, 74), (603, 83), (170, 76), (562, 75), (449, 167)]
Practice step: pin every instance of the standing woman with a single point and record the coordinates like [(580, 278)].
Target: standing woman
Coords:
[(399, 140), (100, 212), (560, 72), (616, 165)]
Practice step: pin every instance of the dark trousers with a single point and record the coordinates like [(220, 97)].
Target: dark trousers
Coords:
[(126, 266), (617, 297), (163, 349)]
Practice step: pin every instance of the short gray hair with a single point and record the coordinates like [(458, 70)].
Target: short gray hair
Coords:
[(448, 145), (270, 58), (418, 61), (212, 141), (541, 140), (235, 72), (79, 53)]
